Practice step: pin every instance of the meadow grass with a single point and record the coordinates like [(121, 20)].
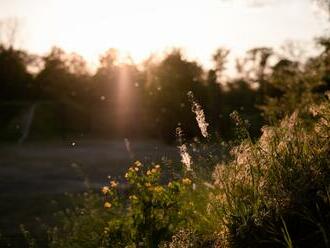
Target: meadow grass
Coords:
[(269, 192)]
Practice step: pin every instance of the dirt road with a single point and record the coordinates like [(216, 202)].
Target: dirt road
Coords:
[(32, 174)]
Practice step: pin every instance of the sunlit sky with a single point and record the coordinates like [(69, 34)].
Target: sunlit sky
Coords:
[(140, 27)]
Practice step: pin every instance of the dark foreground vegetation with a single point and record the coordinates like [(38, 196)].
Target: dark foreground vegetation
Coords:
[(272, 192)]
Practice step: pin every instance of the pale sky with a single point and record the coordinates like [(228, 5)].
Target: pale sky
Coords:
[(140, 27)]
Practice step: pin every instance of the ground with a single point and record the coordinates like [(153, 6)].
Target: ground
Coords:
[(34, 174)]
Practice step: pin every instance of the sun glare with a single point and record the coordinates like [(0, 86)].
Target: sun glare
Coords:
[(139, 28)]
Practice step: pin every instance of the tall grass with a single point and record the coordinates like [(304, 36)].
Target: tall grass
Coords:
[(270, 192)]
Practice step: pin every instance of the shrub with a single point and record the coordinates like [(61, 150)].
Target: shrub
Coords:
[(141, 212), (278, 187)]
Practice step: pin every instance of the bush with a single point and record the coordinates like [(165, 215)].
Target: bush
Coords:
[(141, 212), (276, 191)]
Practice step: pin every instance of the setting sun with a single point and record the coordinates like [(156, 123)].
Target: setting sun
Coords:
[(139, 28)]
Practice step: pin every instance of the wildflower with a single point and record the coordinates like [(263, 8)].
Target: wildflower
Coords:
[(114, 184), (149, 172), (200, 116), (133, 197), (107, 205), (126, 175), (147, 185), (105, 189), (136, 169), (157, 166), (186, 181), (138, 164), (154, 170), (158, 189), (185, 157), (170, 184)]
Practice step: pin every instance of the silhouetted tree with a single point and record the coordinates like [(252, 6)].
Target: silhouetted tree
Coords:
[(168, 85), (15, 80)]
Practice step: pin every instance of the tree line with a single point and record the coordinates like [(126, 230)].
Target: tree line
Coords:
[(124, 99)]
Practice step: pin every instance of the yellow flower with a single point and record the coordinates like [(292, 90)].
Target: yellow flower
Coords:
[(158, 189), (147, 184), (113, 184), (133, 197), (154, 170), (107, 205), (105, 189), (186, 181), (148, 172), (138, 163)]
